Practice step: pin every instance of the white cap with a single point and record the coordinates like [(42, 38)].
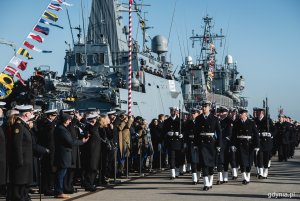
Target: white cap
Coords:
[(91, 116), (12, 112), (2, 104), (24, 108), (51, 111), (111, 112)]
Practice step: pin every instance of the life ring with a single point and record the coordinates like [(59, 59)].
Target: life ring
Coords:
[(6, 85)]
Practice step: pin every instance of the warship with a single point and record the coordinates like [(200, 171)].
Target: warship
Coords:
[(96, 69), (206, 79)]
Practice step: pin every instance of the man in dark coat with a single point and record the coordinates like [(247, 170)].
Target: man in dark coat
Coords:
[(2, 151), (245, 139), (46, 128), (192, 148), (265, 128), (208, 138), (92, 151), (74, 128), (225, 153), (282, 138), (63, 153), (174, 142), (21, 170)]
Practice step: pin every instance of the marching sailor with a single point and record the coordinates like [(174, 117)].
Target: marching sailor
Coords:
[(208, 138)]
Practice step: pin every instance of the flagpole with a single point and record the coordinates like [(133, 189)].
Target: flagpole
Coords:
[(130, 58)]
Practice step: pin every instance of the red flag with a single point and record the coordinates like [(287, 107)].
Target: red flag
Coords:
[(130, 1), (22, 65), (14, 72), (35, 37)]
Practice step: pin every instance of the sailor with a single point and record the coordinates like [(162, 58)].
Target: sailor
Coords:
[(282, 138), (46, 128), (208, 138), (226, 152), (174, 142), (2, 150), (245, 139), (92, 151), (22, 158), (192, 153), (265, 128)]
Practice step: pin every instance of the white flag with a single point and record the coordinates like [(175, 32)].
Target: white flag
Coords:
[(16, 61)]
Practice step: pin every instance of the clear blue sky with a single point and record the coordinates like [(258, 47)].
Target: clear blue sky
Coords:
[(262, 36)]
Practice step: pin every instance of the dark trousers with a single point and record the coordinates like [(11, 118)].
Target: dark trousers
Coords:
[(59, 181), (207, 171), (245, 169), (19, 192), (176, 158), (69, 180), (90, 176), (195, 167), (263, 158), (282, 152), (48, 178)]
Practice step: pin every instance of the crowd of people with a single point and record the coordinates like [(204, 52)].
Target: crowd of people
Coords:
[(57, 150)]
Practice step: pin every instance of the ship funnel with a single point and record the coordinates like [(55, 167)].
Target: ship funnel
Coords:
[(159, 44), (228, 59), (188, 60)]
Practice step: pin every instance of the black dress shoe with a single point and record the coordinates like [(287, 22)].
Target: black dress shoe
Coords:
[(172, 178), (210, 187), (91, 189), (219, 182), (234, 178), (260, 177), (265, 177), (205, 188), (225, 182), (244, 182), (194, 183)]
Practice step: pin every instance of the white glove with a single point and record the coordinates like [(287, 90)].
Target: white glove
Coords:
[(233, 148), (227, 138), (218, 149), (180, 136), (184, 145), (195, 147), (159, 147), (256, 149)]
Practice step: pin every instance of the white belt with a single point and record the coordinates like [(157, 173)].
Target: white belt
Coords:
[(173, 133), (265, 134), (191, 136), (170, 133), (244, 137), (207, 134)]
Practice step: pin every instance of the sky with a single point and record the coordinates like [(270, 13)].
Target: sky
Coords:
[(262, 36)]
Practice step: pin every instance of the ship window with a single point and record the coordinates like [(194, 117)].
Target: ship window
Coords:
[(79, 59), (157, 86), (90, 60), (149, 84), (101, 58)]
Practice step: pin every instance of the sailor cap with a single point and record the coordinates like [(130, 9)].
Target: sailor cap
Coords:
[(12, 112), (242, 110), (194, 110), (205, 103), (69, 111), (52, 111), (259, 109), (91, 116), (24, 108), (223, 109), (2, 104), (111, 112), (174, 108)]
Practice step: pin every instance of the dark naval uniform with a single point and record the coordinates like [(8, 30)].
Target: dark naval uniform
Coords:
[(245, 138), (46, 139), (2, 158), (282, 138), (192, 148), (22, 170), (227, 154), (174, 143), (208, 138), (266, 145)]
